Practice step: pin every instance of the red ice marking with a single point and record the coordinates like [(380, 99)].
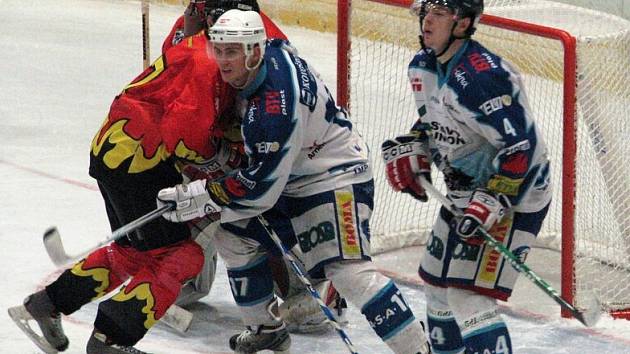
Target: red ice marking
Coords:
[(50, 176)]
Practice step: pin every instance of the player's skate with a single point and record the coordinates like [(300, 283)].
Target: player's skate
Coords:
[(38, 307), (253, 340), (99, 344)]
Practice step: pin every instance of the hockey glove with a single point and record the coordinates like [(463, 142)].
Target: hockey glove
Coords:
[(406, 158), (191, 201), (484, 209)]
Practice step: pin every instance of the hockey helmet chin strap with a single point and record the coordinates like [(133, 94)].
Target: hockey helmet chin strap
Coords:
[(251, 70)]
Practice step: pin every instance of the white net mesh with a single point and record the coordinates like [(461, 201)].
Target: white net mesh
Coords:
[(384, 39)]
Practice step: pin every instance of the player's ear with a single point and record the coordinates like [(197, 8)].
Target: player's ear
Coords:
[(462, 26), (256, 56)]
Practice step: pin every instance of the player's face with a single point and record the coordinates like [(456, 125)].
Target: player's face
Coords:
[(437, 26), (231, 60)]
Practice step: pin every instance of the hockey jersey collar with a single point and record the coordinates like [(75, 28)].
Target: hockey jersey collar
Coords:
[(443, 75)]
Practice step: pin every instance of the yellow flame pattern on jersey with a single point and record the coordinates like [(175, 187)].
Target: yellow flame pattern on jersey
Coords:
[(100, 275), (141, 292), (125, 147)]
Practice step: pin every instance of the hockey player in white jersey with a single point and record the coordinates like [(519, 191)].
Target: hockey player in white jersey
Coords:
[(309, 175), (475, 125)]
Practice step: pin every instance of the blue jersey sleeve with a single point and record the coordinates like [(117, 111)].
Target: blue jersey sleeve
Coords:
[(272, 137)]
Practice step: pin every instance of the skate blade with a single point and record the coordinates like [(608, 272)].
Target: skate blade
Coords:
[(20, 316)]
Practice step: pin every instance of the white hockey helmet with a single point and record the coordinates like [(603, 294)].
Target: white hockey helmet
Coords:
[(244, 27)]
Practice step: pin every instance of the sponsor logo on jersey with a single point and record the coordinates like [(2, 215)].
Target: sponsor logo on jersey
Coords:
[(275, 102), (308, 98), (360, 169), (316, 235), (491, 259), (252, 110), (446, 134), (348, 228), (267, 147), (304, 74), (448, 105), (494, 104), (316, 148), (480, 62), (490, 60), (416, 84), (460, 76), (247, 182), (274, 62)]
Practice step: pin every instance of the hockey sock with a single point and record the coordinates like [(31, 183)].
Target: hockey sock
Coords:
[(252, 288), (483, 330), (444, 332), (381, 302)]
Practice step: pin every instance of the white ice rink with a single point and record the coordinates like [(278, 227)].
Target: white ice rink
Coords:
[(61, 64)]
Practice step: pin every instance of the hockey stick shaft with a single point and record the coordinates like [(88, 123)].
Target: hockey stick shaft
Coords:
[(146, 43), (57, 253), (588, 319), (314, 293)]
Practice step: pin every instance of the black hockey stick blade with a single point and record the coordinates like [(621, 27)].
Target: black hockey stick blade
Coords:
[(55, 249)]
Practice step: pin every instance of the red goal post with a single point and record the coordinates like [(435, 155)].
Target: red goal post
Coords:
[(574, 62)]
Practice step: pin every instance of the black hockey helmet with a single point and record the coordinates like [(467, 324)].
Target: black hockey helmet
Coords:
[(215, 8), (461, 9)]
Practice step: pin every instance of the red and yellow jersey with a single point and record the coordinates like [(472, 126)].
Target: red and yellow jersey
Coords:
[(168, 111)]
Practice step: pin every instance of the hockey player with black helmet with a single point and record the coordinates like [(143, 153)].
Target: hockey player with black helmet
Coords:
[(475, 125)]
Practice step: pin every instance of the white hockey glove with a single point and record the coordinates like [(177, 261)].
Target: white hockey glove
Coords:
[(191, 201), (484, 209), (406, 158)]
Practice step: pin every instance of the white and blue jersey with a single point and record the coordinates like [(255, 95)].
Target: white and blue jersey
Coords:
[(298, 141), (481, 130)]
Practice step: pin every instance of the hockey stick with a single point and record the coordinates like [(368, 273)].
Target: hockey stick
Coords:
[(57, 253), (298, 271), (588, 317), (175, 317), (146, 43)]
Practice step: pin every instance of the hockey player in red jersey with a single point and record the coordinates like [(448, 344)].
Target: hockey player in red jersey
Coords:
[(176, 112)]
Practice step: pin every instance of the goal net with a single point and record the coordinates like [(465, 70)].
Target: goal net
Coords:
[(574, 62)]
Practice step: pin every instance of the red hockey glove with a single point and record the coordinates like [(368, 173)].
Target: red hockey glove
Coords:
[(484, 209), (406, 158)]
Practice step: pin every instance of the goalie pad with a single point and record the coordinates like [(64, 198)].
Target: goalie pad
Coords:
[(302, 313)]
